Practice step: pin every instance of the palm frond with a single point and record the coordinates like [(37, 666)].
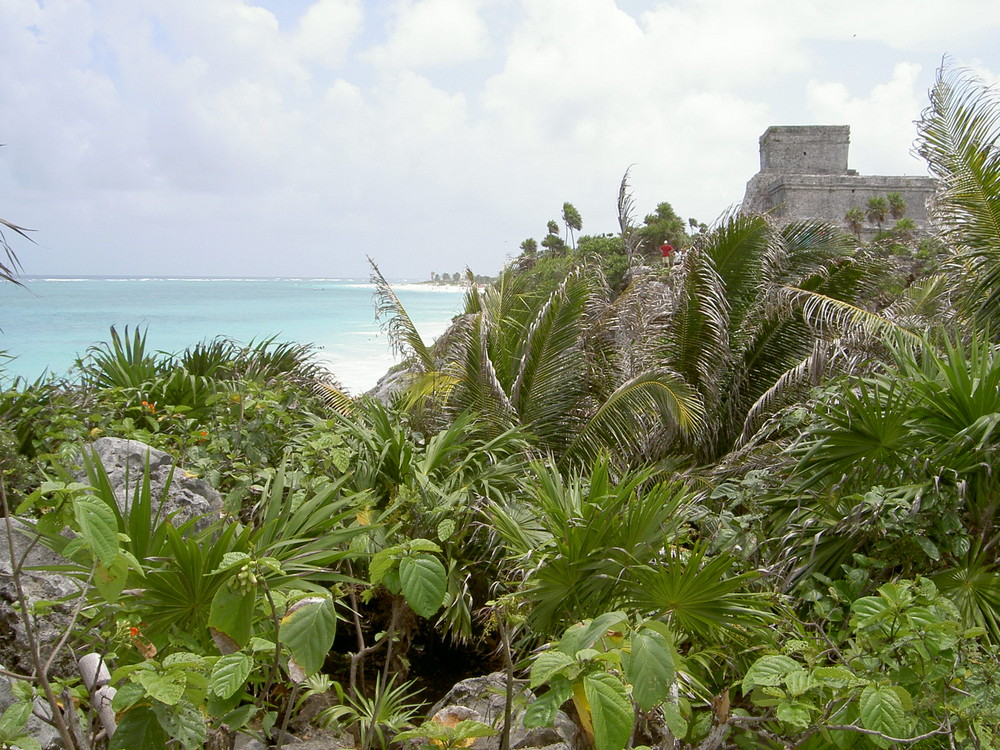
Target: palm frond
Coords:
[(697, 344), (826, 357), (396, 322), (626, 218), (10, 269), (835, 315), (551, 373), (974, 587), (476, 387), (647, 399), (700, 595), (958, 136), (334, 397)]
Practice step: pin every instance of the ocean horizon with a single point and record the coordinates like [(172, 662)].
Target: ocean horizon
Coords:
[(54, 319)]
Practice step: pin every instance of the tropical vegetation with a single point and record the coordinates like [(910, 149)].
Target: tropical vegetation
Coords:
[(746, 499)]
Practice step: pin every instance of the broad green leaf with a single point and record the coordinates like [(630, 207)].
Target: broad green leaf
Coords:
[(216, 706), (546, 664), (425, 582), (24, 742), (795, 713), (127, 696), (166, 688), (231, 616), (21, 690), (183, 659), (930, 549), (905, 699), (230, 674), (895, 594), (138, 729), (834, 676), (798, 682), (98, 527), (110, 581), (922, 617), (675, 721), (308, 629), (231, 560), (445, 529), (649, 668), (14, 719), (184, 723), (868, 609), (579, 637), (381, 563), (391, 581), (610, 710), (422, 545), (881, 710), (769, 671), (542, 712), (239, 717)]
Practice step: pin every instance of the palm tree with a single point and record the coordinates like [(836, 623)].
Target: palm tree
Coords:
[(897, 206), (740, 316), (549, 363), (958, 136), (876, 211), (905, 229), (855, 219), (571, 218), (553, 365)]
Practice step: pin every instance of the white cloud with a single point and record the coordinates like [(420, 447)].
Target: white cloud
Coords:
[(328, 29), (887, 116), (433, 33), (429, 133)]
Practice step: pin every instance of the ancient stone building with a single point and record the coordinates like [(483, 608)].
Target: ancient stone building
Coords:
[(804, 175)]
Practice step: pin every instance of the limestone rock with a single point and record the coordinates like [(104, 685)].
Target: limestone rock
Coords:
[(485, 697), (38, 585), (188, 497)]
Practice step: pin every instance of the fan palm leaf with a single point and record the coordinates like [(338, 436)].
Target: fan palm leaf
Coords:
[(699, 595)]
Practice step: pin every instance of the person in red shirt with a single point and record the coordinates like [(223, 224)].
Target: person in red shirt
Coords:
[(667, 251)]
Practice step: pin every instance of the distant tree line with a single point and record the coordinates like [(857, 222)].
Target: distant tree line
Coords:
[(548, 260)]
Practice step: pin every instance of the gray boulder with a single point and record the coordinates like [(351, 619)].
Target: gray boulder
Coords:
[(38, 586), (188, 497), (485, 696)]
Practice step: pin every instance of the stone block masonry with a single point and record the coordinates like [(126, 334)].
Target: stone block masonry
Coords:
[(804, 175)]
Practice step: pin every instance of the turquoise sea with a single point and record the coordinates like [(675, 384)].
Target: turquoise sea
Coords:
[(46, 326)]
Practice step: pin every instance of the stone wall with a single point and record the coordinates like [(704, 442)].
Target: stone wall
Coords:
[(804, 175), (805, 149)]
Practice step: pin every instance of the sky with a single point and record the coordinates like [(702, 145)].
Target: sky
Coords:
[(297, 137)]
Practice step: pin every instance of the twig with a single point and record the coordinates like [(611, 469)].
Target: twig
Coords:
[(903, 741), (397, 606), (29, 629), (508, 663)]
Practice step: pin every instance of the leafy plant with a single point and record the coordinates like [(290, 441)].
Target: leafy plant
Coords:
[(376, 721), (894, 679), (604, 665)]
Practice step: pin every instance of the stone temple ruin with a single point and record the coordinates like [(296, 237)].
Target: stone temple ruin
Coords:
[(804, 175)]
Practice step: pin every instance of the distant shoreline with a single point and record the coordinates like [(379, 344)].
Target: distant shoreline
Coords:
[(356, 282)]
